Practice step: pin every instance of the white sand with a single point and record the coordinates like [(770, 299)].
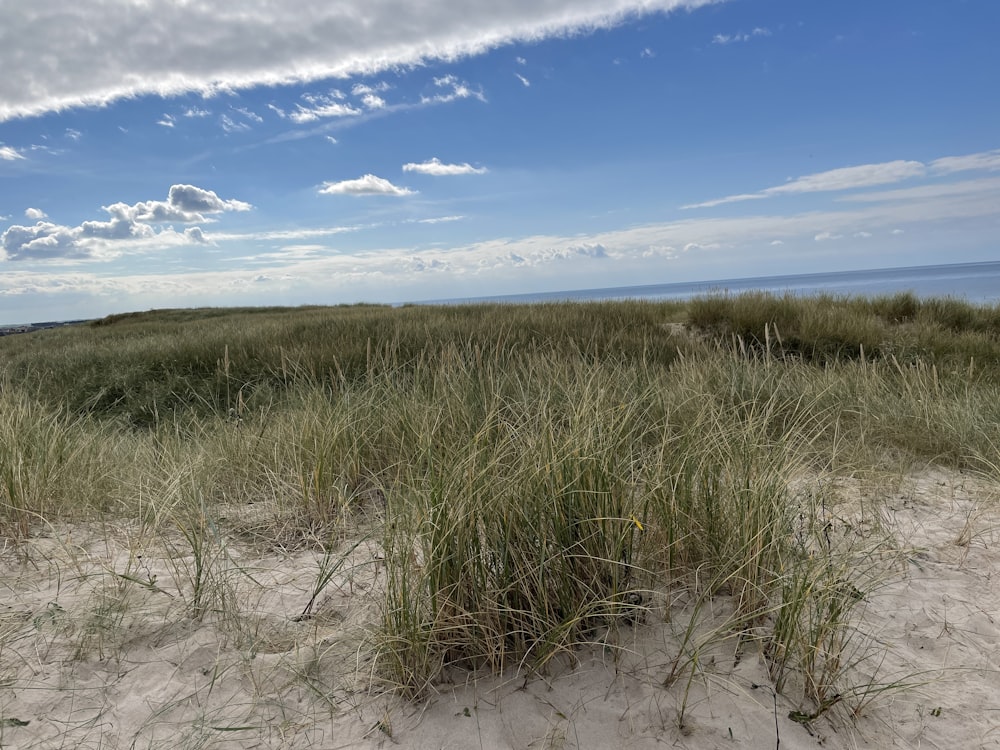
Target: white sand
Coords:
[(93, 660)]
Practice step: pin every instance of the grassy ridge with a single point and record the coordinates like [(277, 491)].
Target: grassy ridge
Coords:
[(146, 366), (538, 474)]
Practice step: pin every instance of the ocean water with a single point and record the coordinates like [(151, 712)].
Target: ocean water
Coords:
[(974, 282)]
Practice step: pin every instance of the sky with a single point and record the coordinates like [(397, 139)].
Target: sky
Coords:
[(185, 153)]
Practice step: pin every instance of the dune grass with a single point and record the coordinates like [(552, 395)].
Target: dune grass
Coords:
[(535, 476)]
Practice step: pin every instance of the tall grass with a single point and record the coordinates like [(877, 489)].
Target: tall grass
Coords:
[(537, 476)]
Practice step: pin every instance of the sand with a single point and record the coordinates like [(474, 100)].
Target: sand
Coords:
[(99, 649)]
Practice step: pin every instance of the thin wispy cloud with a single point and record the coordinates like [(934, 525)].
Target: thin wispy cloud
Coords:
[(319, 106), (440, 220), (454, 89), (524, 81), (867, 175), (742, 36), (230, 125), (987, 160), (368, 184), (922, 192), (8, 153), (438, 169)]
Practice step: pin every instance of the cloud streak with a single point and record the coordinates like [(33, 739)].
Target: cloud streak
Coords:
[(438, 169), (124, 49), (742, 36), (865, 175)]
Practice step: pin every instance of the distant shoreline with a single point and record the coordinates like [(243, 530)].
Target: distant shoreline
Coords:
[(977, 283), (10, 330)]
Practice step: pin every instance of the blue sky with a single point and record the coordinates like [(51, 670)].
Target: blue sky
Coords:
[(179, 154)]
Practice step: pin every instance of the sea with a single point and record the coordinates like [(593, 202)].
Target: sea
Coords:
[(978, 283)]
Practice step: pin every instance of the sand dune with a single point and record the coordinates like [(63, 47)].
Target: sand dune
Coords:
[(98, 648)]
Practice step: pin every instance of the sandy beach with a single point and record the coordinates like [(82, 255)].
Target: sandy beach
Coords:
[(98, 652)]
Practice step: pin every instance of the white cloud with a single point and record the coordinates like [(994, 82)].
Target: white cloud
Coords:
[(869, 175), (647, 53), (826, 236), (520, 61), (987, 160), (208, 50), (35, 213), (185, 204), (523, 80), (459, 90), (196, 112), (232, 126), (252, 116), (330, 138), (319, 106), (373, 101), (361, 89), (166, 121), (281, 234), (369, 184), (10, 154), (436, 168), (927, 191), (73, 134), (742, 36), (440, 220), (845, 178)]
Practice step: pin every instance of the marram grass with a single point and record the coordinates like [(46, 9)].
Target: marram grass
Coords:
[(535, 476)]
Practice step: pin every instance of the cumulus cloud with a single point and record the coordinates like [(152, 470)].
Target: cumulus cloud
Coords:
[(208, 50), (185, 204), (368, 184), (35, 213), (438, 169)]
